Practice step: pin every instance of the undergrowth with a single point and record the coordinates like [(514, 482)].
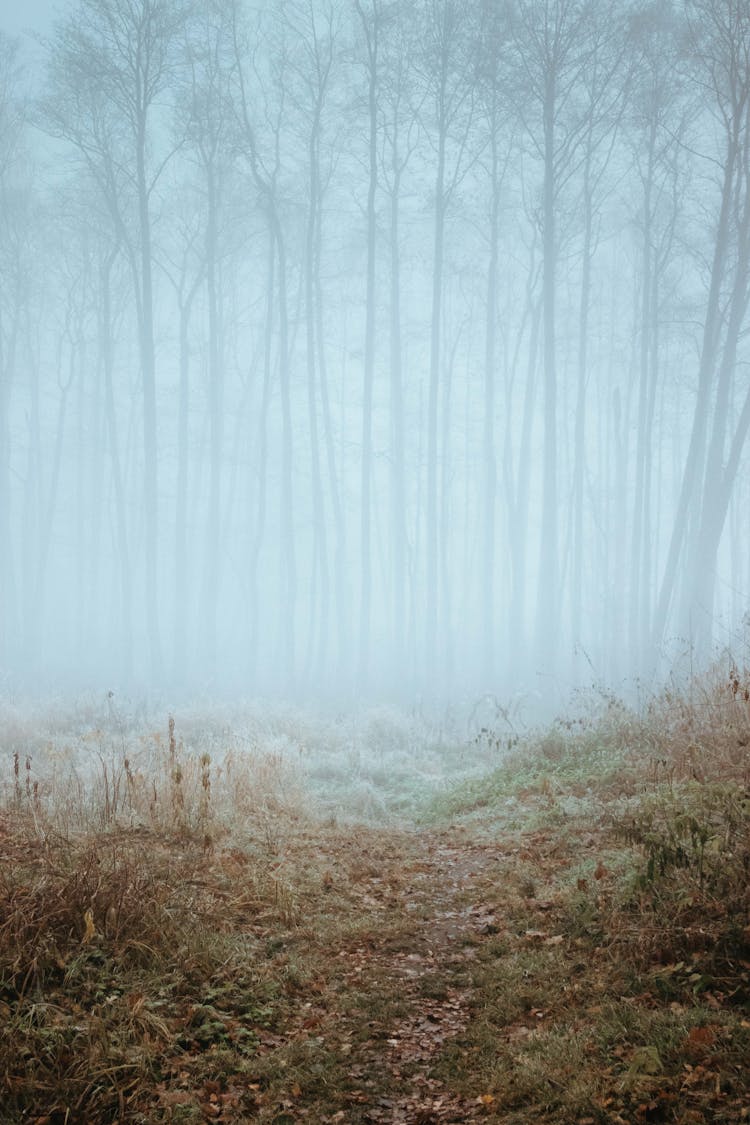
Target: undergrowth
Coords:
[(180, 905)]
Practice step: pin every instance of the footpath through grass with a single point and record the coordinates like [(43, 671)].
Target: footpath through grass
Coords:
[(565, 939)]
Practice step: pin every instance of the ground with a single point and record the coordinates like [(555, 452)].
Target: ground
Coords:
[(562, 939)]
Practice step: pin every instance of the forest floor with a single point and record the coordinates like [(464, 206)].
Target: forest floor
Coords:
[(564, 939)]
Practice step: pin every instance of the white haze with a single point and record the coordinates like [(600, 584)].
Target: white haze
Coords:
[(447, 388)]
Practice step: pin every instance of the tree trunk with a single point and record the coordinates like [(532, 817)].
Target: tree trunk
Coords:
[(547, 623), (490, 375)]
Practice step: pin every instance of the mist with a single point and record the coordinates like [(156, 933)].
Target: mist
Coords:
[(373, 349)]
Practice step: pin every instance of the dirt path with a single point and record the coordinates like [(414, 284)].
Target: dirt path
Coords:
[(441, 884), (415, 974)]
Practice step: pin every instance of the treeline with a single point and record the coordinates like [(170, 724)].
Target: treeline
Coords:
[(377, 344)]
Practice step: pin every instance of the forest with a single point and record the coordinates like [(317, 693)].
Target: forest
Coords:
[(374, 347), (374, 562)]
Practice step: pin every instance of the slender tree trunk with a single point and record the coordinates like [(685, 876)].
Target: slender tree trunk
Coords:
[(317, 645), (695, 459), (334, 487), (216, 426), (548, 596), (48, 504), (647, 581), (398, 457), (431, 536), (365, 608), (288, 607), (701, 570), (643, 437), (8, 599), (520, 518), (181, 554), (490, 375), (148, 375), (579, 450), (106, 351), (262, 495)]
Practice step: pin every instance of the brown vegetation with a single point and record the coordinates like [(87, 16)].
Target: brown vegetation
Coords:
[(184, 938)]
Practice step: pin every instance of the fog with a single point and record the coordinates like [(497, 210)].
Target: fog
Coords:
[(382, 349)]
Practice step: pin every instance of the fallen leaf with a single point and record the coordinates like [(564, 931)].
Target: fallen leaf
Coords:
[(88, 919), (700, 1038), (646, 1060)]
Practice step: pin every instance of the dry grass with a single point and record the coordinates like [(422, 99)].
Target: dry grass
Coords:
[(199, 921)]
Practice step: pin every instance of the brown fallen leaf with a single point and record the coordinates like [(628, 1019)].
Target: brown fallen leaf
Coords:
[(700, 1038), (90, 934)]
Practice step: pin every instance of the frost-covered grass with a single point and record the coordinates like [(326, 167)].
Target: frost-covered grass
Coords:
[(102, 762)]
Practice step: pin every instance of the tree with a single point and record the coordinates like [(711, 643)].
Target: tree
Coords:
[(719, 40), (265, 165), (11, 299), (399, 140), (656, 121), (370, 18), (492, 76), (207, 125), (110, 63), (447, 115), (554, 45)]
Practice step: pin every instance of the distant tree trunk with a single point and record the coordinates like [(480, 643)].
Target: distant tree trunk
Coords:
[(288, 554), (317, 645), (431, 536), (181, 601), (32, 513), (341, 593), (8, 599), (397, 151), (445, 538), (262, 445), (451, 98), (490, 376), (637, 575), (547, 623), (519, 524), (579, 445), (718, 479), (148, 374), (106, 354), (695, 460), (398, 456), (370, 27), (266, 186), (47, 504), (216, 422)]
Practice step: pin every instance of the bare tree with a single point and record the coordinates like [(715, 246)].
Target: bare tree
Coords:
[(448, 109), (719, 34), (110, 64), (553, 44), (12, 289)]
